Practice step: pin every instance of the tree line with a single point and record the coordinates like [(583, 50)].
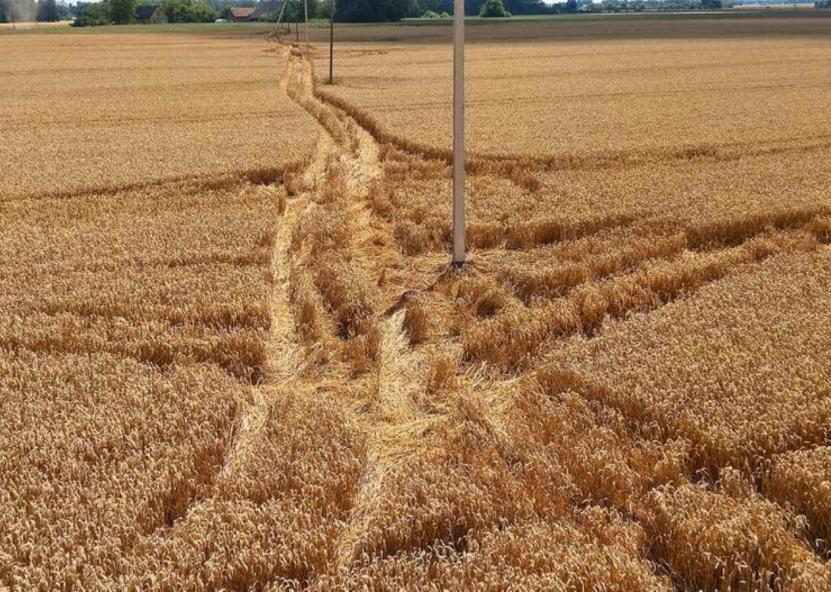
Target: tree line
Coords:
[(32, 10), (121, 12), (185, 11), (393, 10)]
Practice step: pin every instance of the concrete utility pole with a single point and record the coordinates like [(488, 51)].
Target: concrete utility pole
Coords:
[(459, 133), (280, 17), (306, 12), (332, 44), (10, 10)]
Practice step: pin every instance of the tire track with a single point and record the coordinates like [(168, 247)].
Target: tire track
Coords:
[(389, 416), (391, 420)]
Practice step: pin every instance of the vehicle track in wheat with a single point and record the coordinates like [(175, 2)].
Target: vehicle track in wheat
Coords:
[(364, 355), (393, 421)]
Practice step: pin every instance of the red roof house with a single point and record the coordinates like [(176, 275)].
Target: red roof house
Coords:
[(240, 14)]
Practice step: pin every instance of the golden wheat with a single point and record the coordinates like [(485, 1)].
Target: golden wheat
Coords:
[(135, 310), (641, 317), (233, 356), (107, 111), (596, 98)]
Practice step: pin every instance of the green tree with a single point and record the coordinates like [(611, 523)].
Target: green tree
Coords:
[(47, 11), (493, 9), (437, 6), (93, 15), (122, 12), (18, 10), (526, 7), (473, 7), (188, 11), (324, 9), (203, 12), (373, 10), (295, 11)]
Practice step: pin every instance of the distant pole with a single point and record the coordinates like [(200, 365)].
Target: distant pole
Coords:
[(297, 26), (332, 44), (459, 133), (306, 11), (280, 17)]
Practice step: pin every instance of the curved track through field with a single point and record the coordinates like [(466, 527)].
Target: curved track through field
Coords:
[(381, 400)]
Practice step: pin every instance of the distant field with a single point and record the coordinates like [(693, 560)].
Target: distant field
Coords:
[(106, 110), (649, 213), (140, 201), (601, 87), (233, 356)]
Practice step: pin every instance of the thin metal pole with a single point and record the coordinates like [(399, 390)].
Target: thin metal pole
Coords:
[(297, 27), (459, 132), (332, 44), (280, 17), (306, 11)]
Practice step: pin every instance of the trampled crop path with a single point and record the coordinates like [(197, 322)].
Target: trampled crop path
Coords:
[(252, 369), (374, 334)]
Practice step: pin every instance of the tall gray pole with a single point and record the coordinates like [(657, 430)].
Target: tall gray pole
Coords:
[(459, 132), (280, 17), (306, 11), (332, 44)]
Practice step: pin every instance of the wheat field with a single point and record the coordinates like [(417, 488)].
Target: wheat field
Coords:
[(233, 355)]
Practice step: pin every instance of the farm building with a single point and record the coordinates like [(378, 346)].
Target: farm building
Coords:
[(240, 14), (150, 14)]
